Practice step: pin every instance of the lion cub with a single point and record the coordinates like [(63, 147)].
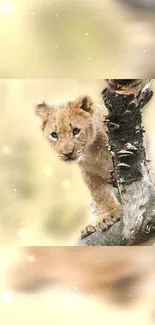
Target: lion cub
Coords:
[(76, 132)]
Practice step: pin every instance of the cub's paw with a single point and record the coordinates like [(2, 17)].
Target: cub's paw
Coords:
[(90, 229), (106, 223), (103, 225)]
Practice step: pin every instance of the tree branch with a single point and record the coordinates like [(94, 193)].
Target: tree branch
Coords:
[(124, 100)]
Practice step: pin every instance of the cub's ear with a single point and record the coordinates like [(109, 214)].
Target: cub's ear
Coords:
[(86, 103), (41, 109)]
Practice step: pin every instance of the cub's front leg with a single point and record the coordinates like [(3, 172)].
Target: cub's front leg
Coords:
[(105, 208)]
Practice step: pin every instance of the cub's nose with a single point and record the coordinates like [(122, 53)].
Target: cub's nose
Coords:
[(68, 154)]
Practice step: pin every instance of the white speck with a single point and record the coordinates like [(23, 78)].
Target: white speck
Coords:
[(144, 50), (31, 258), (98, 261), (33, 13), (56, 16), (56, 45), (113, 69), (86, 34), (5, 8), (7, 295), (89, 58), (14, 190), (47, 170), (81, 158), (22, 233), (66, 184)]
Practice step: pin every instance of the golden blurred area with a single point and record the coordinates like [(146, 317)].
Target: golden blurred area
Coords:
[(56, 305), (61, 38), (46, 38)]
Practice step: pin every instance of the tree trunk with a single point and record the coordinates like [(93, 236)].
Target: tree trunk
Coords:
[(124, 99)]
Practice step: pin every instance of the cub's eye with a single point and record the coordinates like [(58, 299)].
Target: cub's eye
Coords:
[(76, 131), (54, 135)]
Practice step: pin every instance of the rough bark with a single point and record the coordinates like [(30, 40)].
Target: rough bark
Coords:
[(124, 99), (137, 5)]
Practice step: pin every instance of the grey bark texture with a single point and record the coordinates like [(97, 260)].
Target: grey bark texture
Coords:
[(144, 5), (124, 99)]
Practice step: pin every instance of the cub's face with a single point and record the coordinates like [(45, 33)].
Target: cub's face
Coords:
[(68, 127)]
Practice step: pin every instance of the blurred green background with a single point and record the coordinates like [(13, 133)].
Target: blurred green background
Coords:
[(59, 38), (43, 200), (75, 39)]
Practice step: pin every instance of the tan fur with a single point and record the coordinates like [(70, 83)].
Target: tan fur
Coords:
[(122, 275), (89, 150)]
